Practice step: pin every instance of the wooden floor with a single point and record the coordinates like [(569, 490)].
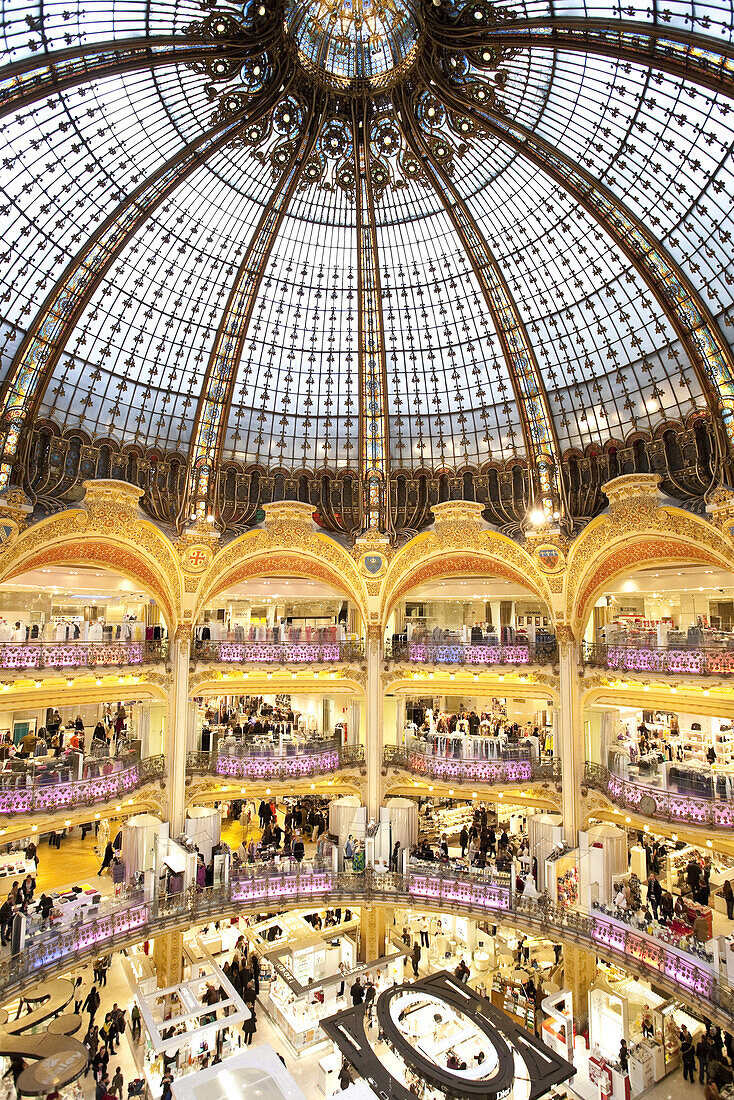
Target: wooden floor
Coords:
[(76, 862)]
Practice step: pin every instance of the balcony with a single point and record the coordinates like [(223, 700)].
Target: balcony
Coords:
[(267, 764), (57, 655), (116, 922), (280, 653), (457, 654), (509, 767), (652, 659), (660, 804), (18, 796)]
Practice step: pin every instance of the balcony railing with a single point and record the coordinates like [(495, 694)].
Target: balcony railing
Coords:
[(662, 805), (281, 653), (80, 654), (256, 765), (51, 797), (262, 887), (672, 662), (472, 656), (513, 766)]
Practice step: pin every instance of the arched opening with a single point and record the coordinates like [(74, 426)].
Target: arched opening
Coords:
[(294, 631), (453, 629), (83, 636), (667, 632)]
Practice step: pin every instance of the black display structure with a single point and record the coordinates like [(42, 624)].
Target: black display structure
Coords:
[(544, 1067)]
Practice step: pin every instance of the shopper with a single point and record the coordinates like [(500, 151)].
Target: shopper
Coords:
[(463, 840), (703, 1051), (654, 893), (103, 1087), (415, 958), (344, 1078), (91, 1004), (255, 964), (117, 1083), (166, 1085), (6, 920), (109, 855), (250, 1025), (688, 1056), (357, 992), (728, 893), (624, 1056), (349, 852), (135, 1022), (462, 972), (424, 932)]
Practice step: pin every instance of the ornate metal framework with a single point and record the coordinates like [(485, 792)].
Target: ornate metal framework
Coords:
[(363, 106)]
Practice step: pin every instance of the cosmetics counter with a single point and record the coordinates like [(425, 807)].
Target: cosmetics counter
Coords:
[(623, 1008)]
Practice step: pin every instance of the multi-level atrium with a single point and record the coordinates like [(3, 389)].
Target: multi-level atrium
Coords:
[(366, 549)]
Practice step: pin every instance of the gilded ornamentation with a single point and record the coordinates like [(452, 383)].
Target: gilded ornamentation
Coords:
[(637, 529)]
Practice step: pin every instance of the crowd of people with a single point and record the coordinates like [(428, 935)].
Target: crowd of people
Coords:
[(58, 738)]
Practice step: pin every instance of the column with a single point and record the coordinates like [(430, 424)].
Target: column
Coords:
[(570, 732), (176, 729), (168, 959), (374, 731), (579, 969), (400, 720)]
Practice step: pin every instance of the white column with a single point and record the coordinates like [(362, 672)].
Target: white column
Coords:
[(571, 732), (177, 729), (374, 732)]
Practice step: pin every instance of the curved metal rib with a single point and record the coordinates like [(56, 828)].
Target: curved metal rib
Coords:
[(372, 361), (216, 394), (37, 78), (692, 57), (541, 443), (38, 354), (710, 355)]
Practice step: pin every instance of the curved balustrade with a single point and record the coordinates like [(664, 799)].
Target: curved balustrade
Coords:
[(508, 768), (80, 654), (85, 792), (274, 767), (261, 888), (283, 653), (676, 809), (456, 653), (695, 662)]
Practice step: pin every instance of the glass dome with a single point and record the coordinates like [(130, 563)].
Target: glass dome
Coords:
[(354, 44), (496, 241)]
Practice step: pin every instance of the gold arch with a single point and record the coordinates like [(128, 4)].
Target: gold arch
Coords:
[(252, 556), (619, 553), (68, 543), (426, 558)]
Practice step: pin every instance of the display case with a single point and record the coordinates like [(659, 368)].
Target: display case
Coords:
[(509, 996)]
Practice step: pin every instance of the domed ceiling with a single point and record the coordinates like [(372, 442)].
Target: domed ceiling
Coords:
[(366, 252)]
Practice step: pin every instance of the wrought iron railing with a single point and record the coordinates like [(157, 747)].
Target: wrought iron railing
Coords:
[(251, 766), (282, 653), (456, 653), (671, 662), (263, 887), (512, 766), (80, 654), (663, 805), (51, 797)]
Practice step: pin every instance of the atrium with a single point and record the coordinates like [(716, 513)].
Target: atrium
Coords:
[(366, 550)]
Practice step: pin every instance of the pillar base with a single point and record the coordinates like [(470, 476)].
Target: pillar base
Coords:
[(579, 968), (372, 933), (168, 959)]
